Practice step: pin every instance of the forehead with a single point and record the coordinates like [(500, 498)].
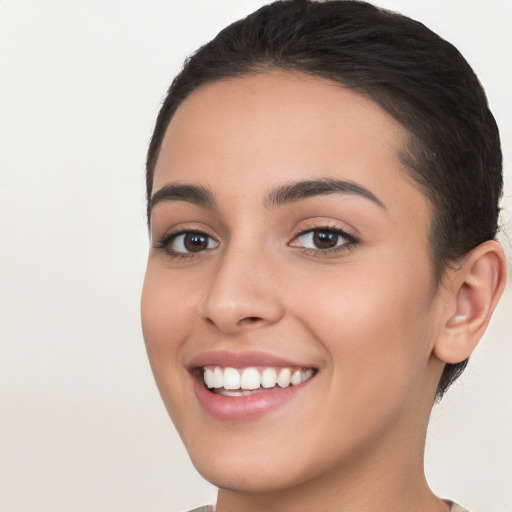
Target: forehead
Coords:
[(251, 132)]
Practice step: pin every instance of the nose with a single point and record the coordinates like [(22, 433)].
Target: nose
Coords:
[(243, 293)]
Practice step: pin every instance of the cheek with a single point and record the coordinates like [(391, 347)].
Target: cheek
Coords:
[(374, 322), (166, 319)]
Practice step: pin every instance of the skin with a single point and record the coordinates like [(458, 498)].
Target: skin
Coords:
[(368, 316)]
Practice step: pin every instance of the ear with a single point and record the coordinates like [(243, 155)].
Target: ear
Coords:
[(474, 288)]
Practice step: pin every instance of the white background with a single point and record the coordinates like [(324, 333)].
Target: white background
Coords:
[(82, 426)]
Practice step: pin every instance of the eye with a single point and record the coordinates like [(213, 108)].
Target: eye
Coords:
[(187, 243), (323, 239)]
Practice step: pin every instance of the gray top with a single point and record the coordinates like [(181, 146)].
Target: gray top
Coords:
[(454, 508), (209, 508)]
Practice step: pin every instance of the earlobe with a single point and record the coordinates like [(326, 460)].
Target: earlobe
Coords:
[(474, 289)]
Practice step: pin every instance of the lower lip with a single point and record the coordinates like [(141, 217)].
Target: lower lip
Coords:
[(241, 408)]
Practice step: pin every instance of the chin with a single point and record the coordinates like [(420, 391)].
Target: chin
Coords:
[(262, 463), (250, 476)]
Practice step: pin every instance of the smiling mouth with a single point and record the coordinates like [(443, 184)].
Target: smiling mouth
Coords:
[(228, 381)]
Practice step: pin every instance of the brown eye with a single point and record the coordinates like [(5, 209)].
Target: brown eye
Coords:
[(325, 239), (191, 242), (195, 242)]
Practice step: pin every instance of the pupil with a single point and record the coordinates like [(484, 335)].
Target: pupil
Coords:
[(325, 239), (195, 242)]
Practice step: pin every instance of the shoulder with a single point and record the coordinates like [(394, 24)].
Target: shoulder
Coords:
[(204, 508)]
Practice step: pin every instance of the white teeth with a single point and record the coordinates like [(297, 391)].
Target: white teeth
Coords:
[(243, 382), (209, 378), (284, 378), (231, 378), (218, 377), (296, 377), (307, 374), (250, 379), (268, 378)]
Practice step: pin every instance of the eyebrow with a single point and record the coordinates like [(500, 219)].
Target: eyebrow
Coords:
[(279, 196), (300, 190), (195, 194)]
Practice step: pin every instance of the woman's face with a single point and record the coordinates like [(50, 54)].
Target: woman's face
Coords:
[(289, 243)]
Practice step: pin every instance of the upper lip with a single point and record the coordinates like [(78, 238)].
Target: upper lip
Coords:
[(241, 360)]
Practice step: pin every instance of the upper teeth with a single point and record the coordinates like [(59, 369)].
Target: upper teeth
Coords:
[(253, 378)]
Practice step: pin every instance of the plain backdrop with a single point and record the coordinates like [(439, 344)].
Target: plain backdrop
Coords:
[(82, 426)]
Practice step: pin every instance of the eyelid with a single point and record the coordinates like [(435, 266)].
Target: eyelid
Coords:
[(174, 229), (340, 232), (327, 225)]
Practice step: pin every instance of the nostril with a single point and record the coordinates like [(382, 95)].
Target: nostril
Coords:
[(250, 320)]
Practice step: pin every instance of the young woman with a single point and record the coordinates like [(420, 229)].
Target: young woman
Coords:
[(323, 184)]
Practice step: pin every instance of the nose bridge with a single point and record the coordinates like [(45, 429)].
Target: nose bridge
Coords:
[(242, 291)]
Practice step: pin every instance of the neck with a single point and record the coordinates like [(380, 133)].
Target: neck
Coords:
[(378, 485), (385, 476), (345, 494)]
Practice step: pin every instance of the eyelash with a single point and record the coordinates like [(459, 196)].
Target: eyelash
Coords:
[(350, 242), (164, 243)]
